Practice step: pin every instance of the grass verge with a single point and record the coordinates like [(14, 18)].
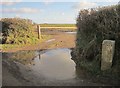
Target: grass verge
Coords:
[(6, 47)]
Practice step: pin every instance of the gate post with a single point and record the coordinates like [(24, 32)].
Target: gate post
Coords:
[(108, 47), (39, 31)]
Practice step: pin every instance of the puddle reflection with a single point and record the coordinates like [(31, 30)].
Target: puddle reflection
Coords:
[(51, 64), (55, 64), (47, 67)]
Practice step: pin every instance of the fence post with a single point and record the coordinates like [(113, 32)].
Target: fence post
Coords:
[(39, 31)]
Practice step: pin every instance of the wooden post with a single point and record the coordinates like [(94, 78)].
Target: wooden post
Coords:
[(39, 32)]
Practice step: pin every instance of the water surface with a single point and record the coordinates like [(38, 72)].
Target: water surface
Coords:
[(43, 68), (71, 32), (50, 40), (55, 64)]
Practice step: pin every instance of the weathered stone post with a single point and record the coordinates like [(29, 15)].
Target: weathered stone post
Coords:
[(39, 31), (107, 54)]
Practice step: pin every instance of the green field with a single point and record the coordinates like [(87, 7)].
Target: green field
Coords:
[(57, 25)]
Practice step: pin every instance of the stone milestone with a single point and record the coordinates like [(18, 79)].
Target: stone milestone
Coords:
[(107, 54)]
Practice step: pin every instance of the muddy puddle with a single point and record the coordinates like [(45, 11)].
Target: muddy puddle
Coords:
[(50, 40), (55, 64), (42, 68), (71, 32)]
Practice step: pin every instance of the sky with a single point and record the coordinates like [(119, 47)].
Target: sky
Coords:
[(49, 11)]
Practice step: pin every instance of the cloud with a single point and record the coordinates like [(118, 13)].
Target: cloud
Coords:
[(63, 13), (112, 0), (9, 2), (84, 5), (17, 15), (46, 2), (20, 10)]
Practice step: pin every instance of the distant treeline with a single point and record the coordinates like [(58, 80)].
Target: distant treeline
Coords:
[(58, 25)]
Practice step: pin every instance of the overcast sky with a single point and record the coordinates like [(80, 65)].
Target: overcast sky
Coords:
[(49, 11)]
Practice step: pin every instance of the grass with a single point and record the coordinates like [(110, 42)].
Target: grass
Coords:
[(6, 47), (57, 25)]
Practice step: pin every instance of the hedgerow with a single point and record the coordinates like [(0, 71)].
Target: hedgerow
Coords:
[(95, 25), (17, 31)]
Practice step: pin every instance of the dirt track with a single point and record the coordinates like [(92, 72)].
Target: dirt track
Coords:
[(61, 40)]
